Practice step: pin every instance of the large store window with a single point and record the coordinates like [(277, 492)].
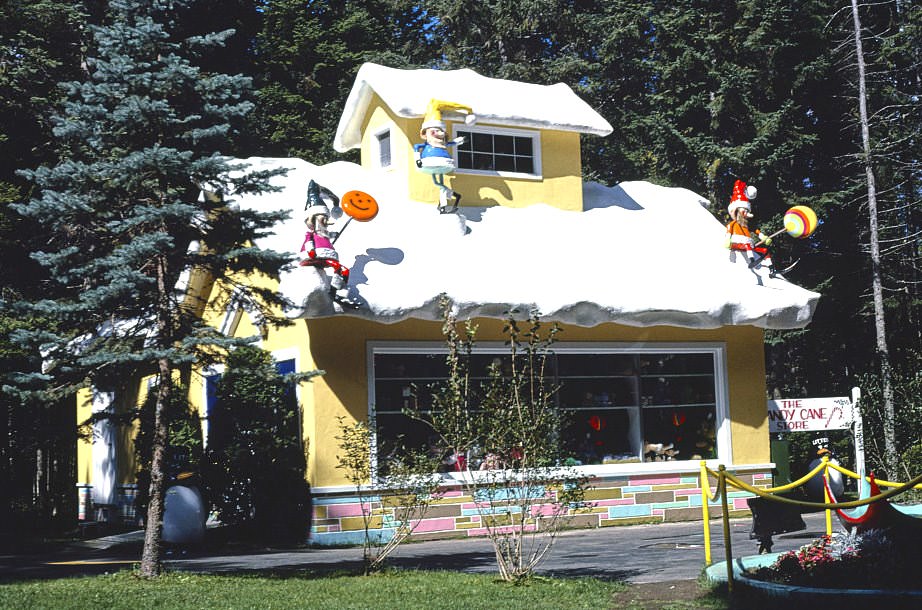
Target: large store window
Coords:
[(499, 151), (620, 404)]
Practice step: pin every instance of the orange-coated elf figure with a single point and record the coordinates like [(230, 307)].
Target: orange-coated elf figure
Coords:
[(750, 245)]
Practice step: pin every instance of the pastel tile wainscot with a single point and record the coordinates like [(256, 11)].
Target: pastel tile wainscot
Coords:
[(631, 500)]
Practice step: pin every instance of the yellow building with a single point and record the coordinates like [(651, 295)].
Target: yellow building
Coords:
[(661, 353)]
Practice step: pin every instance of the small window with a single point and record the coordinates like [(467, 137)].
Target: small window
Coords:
[(383, 140), (504, 152)]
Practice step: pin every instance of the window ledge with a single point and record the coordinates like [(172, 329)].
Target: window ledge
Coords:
[(687, 467)]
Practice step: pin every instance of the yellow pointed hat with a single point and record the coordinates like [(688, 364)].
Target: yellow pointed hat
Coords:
[(434, 114)]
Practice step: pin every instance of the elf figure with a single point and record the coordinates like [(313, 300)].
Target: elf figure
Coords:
[(317, 249), (433, 157), (739, 238)]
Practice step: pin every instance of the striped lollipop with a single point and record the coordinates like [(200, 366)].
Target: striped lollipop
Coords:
[(800, 221)]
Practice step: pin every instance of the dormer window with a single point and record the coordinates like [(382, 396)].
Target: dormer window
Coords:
[(504, 152), (383, 145)]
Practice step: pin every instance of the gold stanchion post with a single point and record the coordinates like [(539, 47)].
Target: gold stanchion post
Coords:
[(705, 512), (826, 494), (728, 551)]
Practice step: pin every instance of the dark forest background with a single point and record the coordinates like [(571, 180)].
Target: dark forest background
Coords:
[(700, 93)]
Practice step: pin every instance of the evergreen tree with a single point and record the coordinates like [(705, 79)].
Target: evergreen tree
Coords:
[(184, 454), (40, 45), (539, 41), (307, 55), (137, 140)]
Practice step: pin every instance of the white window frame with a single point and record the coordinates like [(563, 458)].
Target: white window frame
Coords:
[(535, 137), (721, 393), (376, 148)]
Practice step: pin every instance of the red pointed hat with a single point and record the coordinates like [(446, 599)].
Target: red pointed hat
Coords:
[(740, 198)]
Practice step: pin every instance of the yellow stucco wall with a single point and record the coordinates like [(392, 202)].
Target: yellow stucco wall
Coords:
[(126, 464), (339, 346), (84, 446), (561, 169)]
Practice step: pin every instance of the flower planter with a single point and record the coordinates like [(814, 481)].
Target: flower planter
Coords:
[(800, 596)]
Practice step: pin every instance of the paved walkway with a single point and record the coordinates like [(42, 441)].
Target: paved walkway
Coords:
[(637, 554)]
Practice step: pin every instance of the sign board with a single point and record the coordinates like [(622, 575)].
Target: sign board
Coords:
[(810, 414)]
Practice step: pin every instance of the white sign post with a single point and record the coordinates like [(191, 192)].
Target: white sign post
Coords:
[(858, 431)]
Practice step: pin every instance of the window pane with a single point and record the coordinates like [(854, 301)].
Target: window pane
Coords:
[(480, 364), (602, 436), (594, 393), (524, 165), (676, 363), (483, 161), (690, 431), (483, 142), (505, 164), (465, 160), (397, 434), (394, 396), (677, 390), (410, 366), (588, 365), (467, 140), (523, 146), (504, 145)]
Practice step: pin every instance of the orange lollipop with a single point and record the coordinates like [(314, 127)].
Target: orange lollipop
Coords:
[(359, 205)]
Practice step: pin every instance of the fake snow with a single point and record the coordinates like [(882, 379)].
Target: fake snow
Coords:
[(638, 255)]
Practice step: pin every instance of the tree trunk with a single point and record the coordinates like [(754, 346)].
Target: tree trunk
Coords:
[(150, 556), (883, 351)]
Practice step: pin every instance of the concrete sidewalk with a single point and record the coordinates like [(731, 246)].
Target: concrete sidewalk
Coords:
[(636, 554)]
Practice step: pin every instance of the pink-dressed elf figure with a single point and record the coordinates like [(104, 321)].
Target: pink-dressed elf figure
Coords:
[(317, 249)]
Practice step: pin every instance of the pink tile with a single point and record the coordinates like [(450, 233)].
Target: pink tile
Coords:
[(344, 510), (619, 502), (547, 510), (657, 481)]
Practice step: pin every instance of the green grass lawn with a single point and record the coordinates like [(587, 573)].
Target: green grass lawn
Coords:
[(398, 590)]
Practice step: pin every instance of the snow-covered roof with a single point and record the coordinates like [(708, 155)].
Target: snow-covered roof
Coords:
[(505, 102), (639, 255)]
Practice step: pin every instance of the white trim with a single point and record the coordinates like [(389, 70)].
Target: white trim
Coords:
[(535, 137), (103, 450), (717, 349), (238, 304)]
